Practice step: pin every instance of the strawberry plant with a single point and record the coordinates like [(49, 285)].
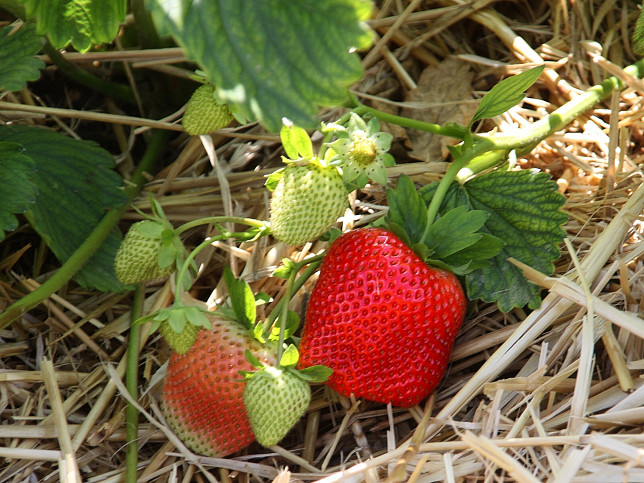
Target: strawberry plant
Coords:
[(389, 299)]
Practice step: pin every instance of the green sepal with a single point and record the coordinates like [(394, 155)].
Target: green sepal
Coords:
[(252, 360), (274, 178), (292, 323), (314, 374), (296, 141), (331, 235), (177, 316), (407, 210), (290, 357), (506, 94), (285, 269), (242, 299)]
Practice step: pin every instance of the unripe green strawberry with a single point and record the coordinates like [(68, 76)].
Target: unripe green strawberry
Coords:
[(137, 259), (275, 400), (305, 202), (182, 341), (204, 114)]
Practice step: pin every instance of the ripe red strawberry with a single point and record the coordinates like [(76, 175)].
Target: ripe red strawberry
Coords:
[(382, 319), (203, 391)]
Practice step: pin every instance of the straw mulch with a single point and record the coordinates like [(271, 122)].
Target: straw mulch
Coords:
[(549, 395)]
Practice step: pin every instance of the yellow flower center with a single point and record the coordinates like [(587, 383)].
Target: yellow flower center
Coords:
[(363, 151)]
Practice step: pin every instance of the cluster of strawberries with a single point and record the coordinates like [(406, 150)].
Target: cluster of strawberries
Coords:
[(380, 319)]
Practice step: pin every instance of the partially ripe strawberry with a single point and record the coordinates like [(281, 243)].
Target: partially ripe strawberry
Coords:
[(275, 400), (137, 259), (383, 320), (203, 392), (306, 202), (204, 114)]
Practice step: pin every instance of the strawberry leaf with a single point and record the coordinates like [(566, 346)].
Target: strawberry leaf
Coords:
[(506, 94), (17, 62), (17, 191), (525, 213), (76, 183), (272, 58), (81, 22), (242, 299)]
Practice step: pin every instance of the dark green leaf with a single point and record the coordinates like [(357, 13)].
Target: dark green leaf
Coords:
[(17, 62), (407, 209), (81, 22), (242, 299), (76, 183), (17, 191), (273, 58), (455, 230), (525, 214), (506, 94)]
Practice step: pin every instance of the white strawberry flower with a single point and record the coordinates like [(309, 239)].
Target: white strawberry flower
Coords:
[(362, 150)]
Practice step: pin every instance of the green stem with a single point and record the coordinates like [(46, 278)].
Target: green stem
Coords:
[(458, 132), (219, 219), (313, 264), (284, 314), (489, 151), (110, 89), (92, 243), (132, 385)]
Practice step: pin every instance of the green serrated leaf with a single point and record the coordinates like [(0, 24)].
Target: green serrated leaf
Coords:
[(17, 62), (17, 191), (455, 230), (506, 94), (81, 22), (296, 141), (274, 58), (525, 214), (290, 357), (315, 374), (407, 209), (76, 183), (242, 299)]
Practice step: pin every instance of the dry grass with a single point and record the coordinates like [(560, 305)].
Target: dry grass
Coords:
[(551, 395)]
